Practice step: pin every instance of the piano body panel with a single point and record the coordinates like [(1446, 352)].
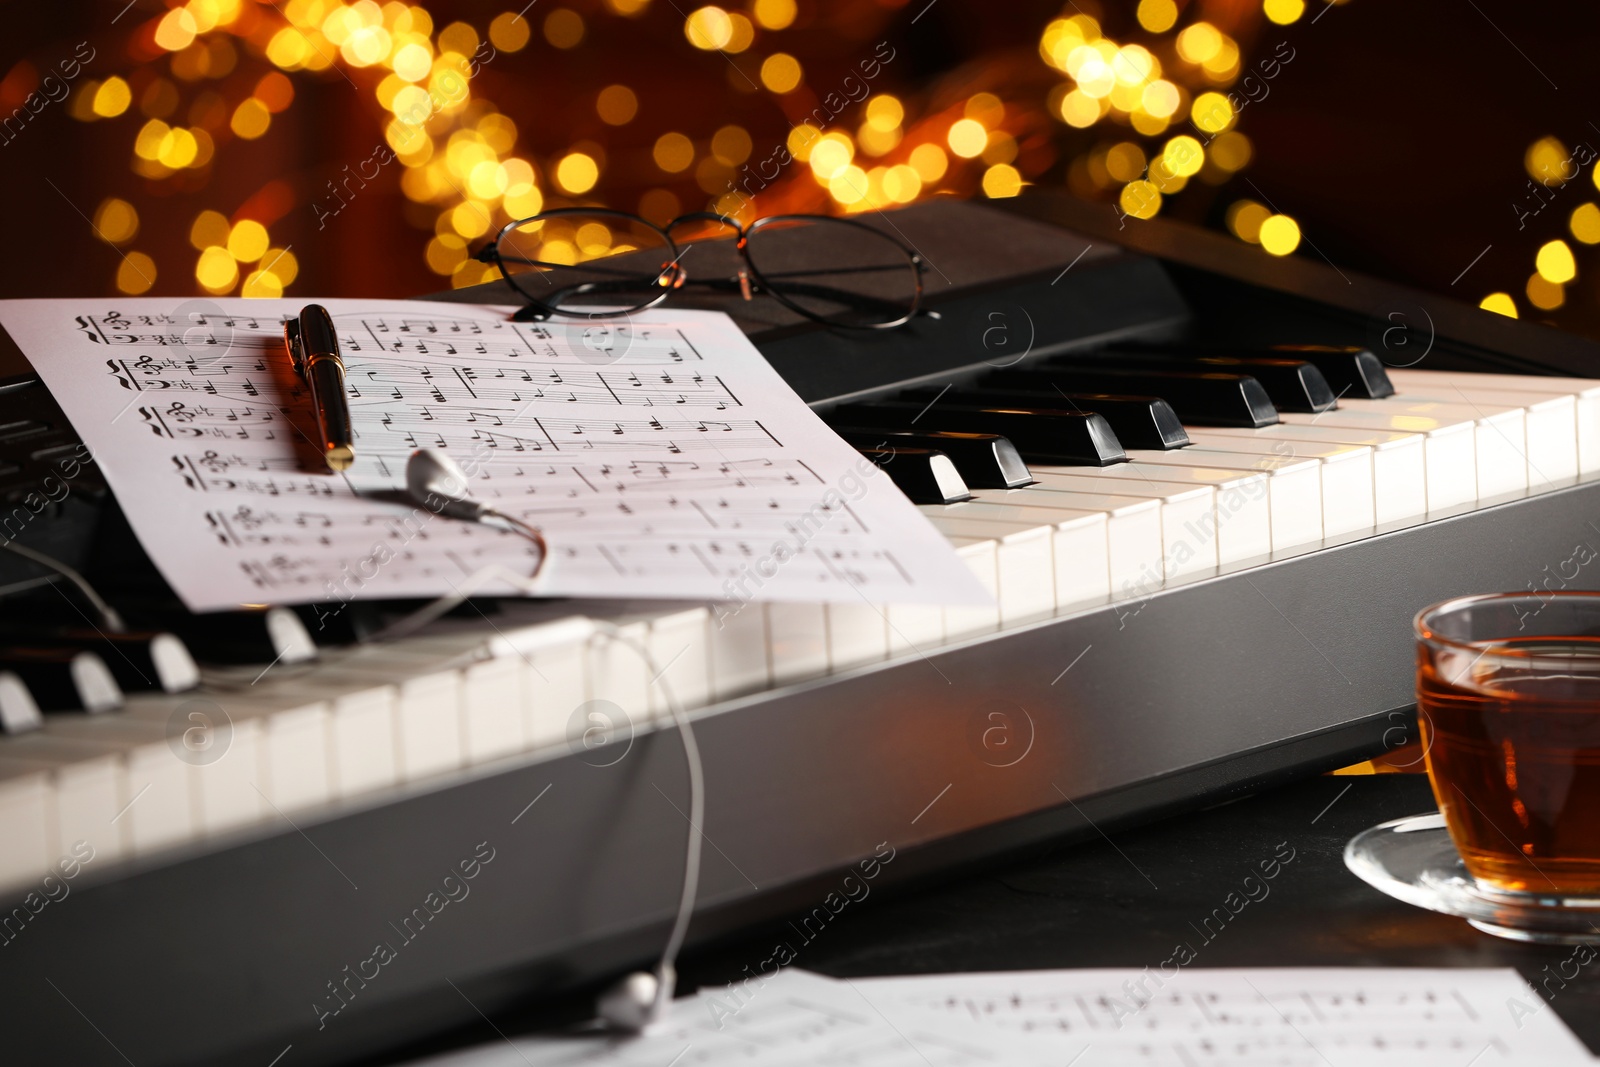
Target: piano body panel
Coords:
[(205, 954)]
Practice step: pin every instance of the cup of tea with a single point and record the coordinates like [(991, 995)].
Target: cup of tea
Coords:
[(1508, 701)]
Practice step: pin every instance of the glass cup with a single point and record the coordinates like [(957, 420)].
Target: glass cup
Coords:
[(1508, 697)]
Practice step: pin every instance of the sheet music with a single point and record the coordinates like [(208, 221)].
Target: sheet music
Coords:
[(1322, 1017), (795, 1019), (661, 456)]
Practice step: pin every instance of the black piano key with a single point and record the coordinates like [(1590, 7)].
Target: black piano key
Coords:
[(984, 460), (1138, 421), (63, 679), (923, 475), (139, 660), (1069, 438), (1200, 399), (1351, 371), (257, 635), (19, 712), (1293, 384)]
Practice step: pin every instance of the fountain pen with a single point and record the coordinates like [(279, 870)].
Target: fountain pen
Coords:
[(314, 352)]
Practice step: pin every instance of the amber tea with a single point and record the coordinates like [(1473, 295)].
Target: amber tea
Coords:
[(1511, 727)]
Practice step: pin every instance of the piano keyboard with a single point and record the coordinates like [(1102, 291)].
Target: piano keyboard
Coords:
[(255, 745)]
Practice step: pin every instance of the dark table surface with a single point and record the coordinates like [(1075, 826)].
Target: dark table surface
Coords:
[(1128, 899)]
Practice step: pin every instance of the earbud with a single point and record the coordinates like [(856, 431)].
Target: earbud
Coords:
[(636, 1001), (435, 481)]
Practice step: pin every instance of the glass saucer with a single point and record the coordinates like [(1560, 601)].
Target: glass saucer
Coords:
[(1414, 860)]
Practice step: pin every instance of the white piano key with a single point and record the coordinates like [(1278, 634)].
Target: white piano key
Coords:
[(86, 785), (555, 686), (1182, 509), (158, 805), (1133, 530), (1044, 558), (798, 636), (492, 720), (1501, 437), (679, 643), (617, 673), (428, 714), (739, 662), (914, 629), (1349, 499), (981, 554), (1294, 487), (1240, 525), (223, 788), (1586, 392), (25, 835), (1399, 461), (1450, 455), (857, 634), (1551, 426)]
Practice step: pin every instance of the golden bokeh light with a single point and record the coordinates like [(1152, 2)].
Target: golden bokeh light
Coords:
[(1500, 304), (248, 241), (775, 14), (261, 285), (743, 35), (509, 32), (1245, 218), (210, 228), (577, 172), (1554, 263), (1212, 112), (216, 271), (673, 152), (1585, 223), (112, 98), (1157, 16), (1280, 235), (1140, 199), (1283, 12), (282, 263), (781, 72), (1079, 109), (830, 156), (564, 28), (930, 162), (136, 274), (1545, 161), (902, 182), (250, 119), (616, 105), (884, 112), (708, 28), (1183, 156), (1200, 42), (1002, 180), (176, 30), (731, 145), (849, 185), (1160, 98), (1125, 161), (116, 221), (967, 138), (1543, 293)]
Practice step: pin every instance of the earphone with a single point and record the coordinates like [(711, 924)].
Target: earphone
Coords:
[(436, 482)]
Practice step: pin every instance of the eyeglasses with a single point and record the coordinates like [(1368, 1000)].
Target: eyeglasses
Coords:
[(591, 263)]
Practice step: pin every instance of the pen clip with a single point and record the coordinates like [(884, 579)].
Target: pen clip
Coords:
[(291, 341)]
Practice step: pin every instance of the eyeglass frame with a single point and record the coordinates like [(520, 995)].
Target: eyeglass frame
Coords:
[(673, 276)]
